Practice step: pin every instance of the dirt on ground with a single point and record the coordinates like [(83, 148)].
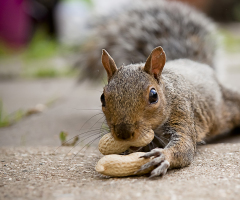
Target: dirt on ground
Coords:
[(67, 174)]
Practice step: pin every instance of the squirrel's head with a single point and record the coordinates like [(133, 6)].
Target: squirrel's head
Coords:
[(133, 101)]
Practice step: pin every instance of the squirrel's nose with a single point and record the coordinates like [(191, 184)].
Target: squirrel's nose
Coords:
[(124, 131)]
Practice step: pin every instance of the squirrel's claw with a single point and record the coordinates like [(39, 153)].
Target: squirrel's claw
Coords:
[(155, 152), (155, 161), (160, 170), (158, 160)]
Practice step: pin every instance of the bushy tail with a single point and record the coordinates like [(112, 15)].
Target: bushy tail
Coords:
[(130, 37)]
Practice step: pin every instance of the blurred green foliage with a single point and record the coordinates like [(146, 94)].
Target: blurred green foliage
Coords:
[(9, 119), (43, 73), (63, 136), (231, 42), (88, 2), (4, 120), (43, 57), (48, 71), (41, 46)]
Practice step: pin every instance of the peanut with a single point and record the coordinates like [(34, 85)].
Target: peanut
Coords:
[(122, 165), (108, 144)]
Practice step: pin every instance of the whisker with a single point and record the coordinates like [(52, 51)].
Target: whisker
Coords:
[(103, 128), (96, 149), (155, 135), (88, 120), (89, 143), (164, 137), (89, 131), (152, 145), (75, 137), (94, 134), (161, 141), (102, 132), (88, 146), (97, 122)]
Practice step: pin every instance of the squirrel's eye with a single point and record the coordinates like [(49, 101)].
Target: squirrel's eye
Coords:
[(153, 96), (102, 100)]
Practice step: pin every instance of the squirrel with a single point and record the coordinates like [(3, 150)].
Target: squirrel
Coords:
[(180, 99)]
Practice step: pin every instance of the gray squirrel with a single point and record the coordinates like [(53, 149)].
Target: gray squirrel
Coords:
[(181, 100)]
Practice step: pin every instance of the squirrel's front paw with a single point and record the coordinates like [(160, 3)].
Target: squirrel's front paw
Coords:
[(159, 161)]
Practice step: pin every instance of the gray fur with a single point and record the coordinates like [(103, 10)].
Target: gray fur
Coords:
[(180, 30), (193, 106)]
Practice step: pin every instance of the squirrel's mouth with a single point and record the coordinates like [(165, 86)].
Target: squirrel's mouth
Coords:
[(131, 149), (135, 148), (155, 143)]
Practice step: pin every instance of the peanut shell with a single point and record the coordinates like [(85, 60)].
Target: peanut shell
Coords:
[(122, 165), (108, 145)]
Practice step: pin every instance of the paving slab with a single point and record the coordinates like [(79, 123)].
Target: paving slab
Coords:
[(75, 104), (43, 173)]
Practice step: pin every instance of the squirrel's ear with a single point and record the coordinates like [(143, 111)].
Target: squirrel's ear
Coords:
[(108, 64), (155, 62)]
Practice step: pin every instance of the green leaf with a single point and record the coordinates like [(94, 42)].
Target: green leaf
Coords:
[(63, 136)]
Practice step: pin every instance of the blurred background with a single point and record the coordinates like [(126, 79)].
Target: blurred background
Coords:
[(41, 102)]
